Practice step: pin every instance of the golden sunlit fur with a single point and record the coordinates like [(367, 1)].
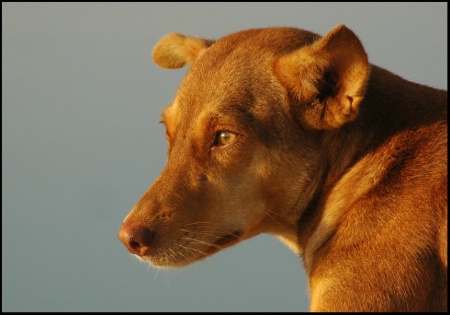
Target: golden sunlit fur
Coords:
[(282, 131)]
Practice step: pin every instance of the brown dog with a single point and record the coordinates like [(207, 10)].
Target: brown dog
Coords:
[(281, 131)]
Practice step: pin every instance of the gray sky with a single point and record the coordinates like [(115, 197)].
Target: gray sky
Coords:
[(81, 142)]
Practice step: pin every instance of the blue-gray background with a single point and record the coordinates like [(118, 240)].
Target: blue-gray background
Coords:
[(81, 101)]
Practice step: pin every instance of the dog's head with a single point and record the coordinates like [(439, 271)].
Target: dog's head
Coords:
[(243, 136)]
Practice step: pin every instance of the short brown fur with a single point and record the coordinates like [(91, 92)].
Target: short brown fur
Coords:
[(281, 131)]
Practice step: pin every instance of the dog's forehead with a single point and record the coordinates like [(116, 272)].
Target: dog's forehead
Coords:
[(276, 40), (239, 59), (232, 71)]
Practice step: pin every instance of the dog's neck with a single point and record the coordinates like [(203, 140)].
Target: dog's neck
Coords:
[(346, 148)]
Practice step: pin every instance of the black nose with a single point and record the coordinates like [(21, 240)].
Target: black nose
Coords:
[(137, 239)]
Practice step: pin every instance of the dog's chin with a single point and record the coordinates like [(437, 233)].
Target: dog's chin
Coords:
[(170, 258)]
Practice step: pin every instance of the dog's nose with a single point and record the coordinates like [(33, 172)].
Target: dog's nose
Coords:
[(137, 239)]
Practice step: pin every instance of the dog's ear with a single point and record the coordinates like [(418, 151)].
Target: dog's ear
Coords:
[(326, 79), (176, 50)]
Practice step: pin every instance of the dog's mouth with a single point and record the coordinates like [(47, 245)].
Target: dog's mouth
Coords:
[(228, 238), (185, 254)]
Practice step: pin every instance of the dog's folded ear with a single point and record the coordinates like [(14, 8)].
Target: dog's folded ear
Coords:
[(176, 50), (326, 79)]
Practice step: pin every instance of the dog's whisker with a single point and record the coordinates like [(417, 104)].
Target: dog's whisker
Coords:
[(203, 242), (197, 223), (273, 212), (181, 254), (172, 256), (270, 214), (209, 232), (193, 249), (220, 230)]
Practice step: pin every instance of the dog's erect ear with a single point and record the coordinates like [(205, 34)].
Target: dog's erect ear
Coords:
[(176, 50), (327, 79)]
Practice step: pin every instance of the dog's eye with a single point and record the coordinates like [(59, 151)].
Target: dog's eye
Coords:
[(224, 137)]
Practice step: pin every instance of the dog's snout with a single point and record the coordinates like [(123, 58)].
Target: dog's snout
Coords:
[(137, 239)]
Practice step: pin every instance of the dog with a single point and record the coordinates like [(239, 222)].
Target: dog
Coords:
[(282, 131)]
